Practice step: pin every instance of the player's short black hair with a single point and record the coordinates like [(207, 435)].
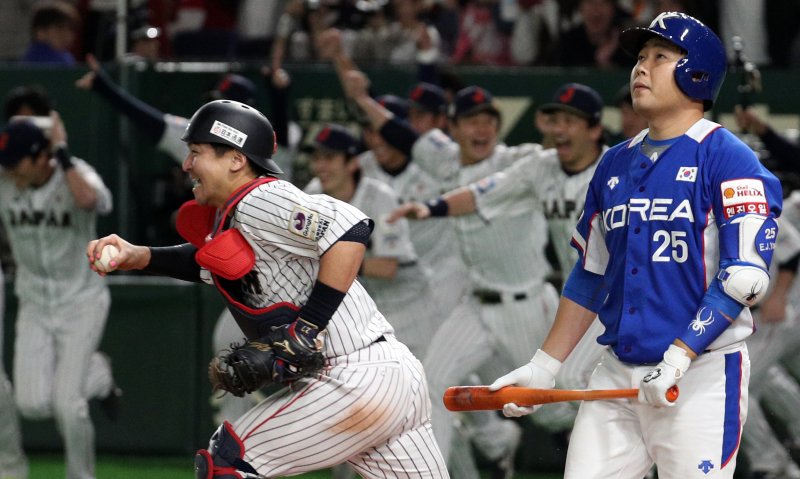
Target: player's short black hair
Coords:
[(54, 13), (34, 97)]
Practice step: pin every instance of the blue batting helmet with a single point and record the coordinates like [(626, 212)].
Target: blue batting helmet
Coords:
[(701, 72)]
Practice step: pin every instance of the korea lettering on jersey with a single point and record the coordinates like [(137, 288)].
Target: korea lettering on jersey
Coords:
[(652, 229)]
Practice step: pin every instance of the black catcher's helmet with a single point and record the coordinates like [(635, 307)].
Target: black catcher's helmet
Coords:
[(242, 127)]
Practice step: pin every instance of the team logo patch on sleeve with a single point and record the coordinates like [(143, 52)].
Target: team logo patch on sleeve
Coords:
[(227, 132), (308, 224), (687, 173), (743, 196)]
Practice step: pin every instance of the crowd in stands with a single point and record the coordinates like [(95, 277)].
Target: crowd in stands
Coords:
[(568, 33)]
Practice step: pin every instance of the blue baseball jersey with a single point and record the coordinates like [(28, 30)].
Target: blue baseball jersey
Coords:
[(651, 229)]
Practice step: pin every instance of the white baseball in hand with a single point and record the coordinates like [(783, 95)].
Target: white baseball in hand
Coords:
[(109, 251)]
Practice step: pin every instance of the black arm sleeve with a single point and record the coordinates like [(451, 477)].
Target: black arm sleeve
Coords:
[(783, 151), (144, 116), (359, 233), (400, 135), (174, 261)]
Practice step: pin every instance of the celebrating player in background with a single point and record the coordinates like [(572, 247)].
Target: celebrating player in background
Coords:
[(286, 264), (558, 179), (13, 463), (49, 202), (391, 274), (675, 241)]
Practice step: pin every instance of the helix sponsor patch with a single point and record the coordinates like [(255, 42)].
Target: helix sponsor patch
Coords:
[(743, 196)]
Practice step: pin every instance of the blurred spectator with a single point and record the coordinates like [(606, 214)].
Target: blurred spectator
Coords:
[(481, 40), (746, 19), (535, 33), (14, 33), (145, 43), (784, 155), (99, 25), (53, 33), (205, 29), (594, 42), (783, 32), (298, 27), (411, 37), (257, 25)]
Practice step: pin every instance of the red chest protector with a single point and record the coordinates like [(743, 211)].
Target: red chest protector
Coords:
[(225, 253)]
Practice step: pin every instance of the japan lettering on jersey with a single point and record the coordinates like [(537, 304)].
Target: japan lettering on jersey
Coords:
[(652, 229)]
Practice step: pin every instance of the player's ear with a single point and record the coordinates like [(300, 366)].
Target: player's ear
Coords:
[(238, 160)]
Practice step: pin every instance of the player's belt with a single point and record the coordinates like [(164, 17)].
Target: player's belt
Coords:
[(489, 296)]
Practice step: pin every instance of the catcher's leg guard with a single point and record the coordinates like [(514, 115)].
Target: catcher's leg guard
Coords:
[(223, 458)]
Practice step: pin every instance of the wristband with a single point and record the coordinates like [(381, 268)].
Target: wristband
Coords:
[(63, 157), (678, 358), (546, 362), (322, 303), (437, 206)]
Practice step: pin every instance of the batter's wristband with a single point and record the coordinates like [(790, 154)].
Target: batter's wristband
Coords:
[(438, 206), (321, 304), (63, 157)]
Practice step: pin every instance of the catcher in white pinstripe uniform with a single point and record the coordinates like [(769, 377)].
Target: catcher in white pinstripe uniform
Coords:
[(49, 202), (290, 265)]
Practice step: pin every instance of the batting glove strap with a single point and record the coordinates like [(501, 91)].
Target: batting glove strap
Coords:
[(545, 361), (678, 358)]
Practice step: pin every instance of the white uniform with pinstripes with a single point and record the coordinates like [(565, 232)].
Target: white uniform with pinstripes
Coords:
[(541, 178), (370, 406), (434, 240), (13, 462), (767, 346), (63, 307), (504, 255), (406, 300)]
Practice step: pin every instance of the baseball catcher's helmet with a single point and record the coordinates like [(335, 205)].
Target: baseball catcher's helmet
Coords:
[(237, 125), (701, 72)]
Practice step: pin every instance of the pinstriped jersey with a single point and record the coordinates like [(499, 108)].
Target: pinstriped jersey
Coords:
[(434, 239), (412, 281), (652, 230), (48, 234), (289, 231), (516, 260), (539, 178)]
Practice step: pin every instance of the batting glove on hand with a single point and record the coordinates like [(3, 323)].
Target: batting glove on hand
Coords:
[(654, 386), (539, 373)]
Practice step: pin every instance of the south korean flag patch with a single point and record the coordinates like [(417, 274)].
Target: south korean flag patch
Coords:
[(687, 173)]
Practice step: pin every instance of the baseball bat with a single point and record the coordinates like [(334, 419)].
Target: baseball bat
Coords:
[(479, 398)]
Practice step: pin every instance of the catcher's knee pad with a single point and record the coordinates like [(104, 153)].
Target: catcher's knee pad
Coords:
[(223, 458)]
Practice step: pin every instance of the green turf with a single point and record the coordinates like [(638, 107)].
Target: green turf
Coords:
[(51, 466)]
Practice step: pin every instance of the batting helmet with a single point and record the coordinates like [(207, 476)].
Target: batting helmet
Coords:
[(237, 125), (701, 72)]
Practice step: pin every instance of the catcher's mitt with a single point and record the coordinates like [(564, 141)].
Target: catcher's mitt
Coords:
[(242, 369)]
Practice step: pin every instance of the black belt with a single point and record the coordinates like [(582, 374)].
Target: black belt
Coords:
[(488, 296)]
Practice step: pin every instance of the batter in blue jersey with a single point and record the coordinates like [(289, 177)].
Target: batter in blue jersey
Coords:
[(675, 242)]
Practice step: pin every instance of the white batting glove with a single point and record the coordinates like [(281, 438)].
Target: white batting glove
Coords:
[(654, 386), (539, 373)]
